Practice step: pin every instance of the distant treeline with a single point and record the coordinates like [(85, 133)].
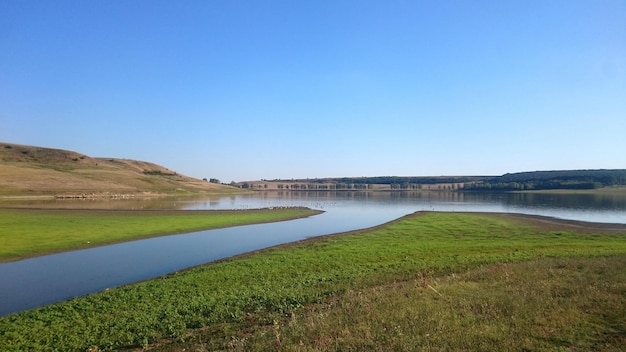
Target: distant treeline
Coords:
[(390, 180), (541, 180), (534, 180)]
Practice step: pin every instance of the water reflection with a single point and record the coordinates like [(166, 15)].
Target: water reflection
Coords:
[(587, 207), (601, 201), (137, 203)]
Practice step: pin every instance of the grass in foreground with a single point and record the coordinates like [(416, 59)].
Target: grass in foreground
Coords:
[(30, 232), (569, 304), (252, 302)]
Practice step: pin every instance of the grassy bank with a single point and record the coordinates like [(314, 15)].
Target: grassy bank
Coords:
[(249, 302), (550, 304), (30, 232)]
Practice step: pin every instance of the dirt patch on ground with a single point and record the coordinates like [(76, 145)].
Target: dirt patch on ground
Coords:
[(549, 223)]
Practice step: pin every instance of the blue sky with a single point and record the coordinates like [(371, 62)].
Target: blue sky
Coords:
[(245, 90)]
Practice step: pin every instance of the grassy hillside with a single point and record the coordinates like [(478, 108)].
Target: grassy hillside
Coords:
[(36, 171)]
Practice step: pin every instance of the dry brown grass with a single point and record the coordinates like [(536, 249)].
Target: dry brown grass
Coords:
[(36, 171)]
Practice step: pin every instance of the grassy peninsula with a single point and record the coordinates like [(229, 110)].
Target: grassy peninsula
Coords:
[(428, 281), (30, 232)]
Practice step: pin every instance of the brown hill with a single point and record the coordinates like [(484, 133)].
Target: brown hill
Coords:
[(35, 171)]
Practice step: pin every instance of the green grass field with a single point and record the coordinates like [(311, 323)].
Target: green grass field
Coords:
[(30, 232), (434, 281), (549, 304)]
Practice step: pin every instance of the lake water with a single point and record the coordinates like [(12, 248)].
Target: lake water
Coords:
[(34, 282)]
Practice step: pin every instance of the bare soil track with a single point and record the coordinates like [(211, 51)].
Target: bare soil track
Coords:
[(550, 223)]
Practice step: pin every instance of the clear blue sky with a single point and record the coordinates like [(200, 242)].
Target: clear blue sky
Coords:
[(244, 90)]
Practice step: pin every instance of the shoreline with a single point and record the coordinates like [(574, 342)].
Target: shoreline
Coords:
[(546, 222), (113, 212)]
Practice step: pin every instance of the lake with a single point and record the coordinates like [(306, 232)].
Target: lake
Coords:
[(34, 282)]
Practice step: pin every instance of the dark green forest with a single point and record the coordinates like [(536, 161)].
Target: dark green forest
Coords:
[(388, 180), (364, 183), (533, 180), (542, 180)]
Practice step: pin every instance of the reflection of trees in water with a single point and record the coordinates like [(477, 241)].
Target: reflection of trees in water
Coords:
[(439, 196), (536, 200), (321, 198), (567, 201)]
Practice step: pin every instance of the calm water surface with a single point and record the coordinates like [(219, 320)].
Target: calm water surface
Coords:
[(34, 282)]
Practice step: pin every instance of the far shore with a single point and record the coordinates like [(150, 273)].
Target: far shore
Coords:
[(258, 187)]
